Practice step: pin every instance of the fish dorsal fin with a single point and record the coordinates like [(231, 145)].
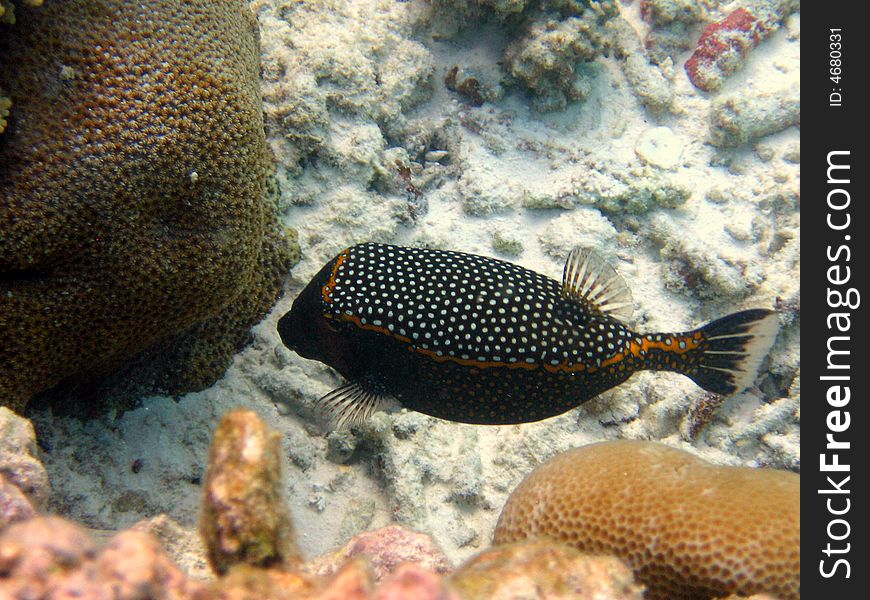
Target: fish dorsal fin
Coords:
[(349, 405), (590, 279)]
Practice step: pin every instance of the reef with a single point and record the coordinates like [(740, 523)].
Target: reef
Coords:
[(133, 173), (553, 45), (251, 548), (688, 529)]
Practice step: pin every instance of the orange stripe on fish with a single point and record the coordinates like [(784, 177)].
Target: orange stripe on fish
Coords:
[(329, 286)]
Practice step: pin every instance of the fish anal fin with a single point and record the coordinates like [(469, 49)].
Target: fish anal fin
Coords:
[(591, 280)]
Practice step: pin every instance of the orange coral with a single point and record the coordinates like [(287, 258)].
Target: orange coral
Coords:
[(132, 173), (687, 528)]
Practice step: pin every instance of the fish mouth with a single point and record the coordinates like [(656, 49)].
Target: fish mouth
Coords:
[(287, 328)]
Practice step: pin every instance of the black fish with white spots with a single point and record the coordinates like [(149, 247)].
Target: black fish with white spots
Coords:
[(479, 340)]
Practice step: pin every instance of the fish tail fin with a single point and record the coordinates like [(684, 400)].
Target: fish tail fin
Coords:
[(727, 352)]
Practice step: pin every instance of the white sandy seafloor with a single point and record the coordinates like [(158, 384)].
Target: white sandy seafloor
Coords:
[(351, 87)]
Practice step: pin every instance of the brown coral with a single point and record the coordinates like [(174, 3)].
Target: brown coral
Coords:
[(244, 519), (132, 173), (543, 569), (687, 528)]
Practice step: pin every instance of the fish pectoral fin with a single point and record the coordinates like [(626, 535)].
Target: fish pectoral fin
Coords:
[(589, 279), (349, 405)]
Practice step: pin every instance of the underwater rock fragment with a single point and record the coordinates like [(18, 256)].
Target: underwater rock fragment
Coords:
[(413, 581), (476, 84), (649, 83), (688, 529), (672, 24), (739, 119), (5, 106), (548, 60), (182, 544), (543, 569), (18, 457), (244, 517), (37, 551), (660, 147), (663, 12), (721, 48), (14, 505)]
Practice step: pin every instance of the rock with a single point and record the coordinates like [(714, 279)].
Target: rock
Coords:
[(507, 243), (413, 581), (724, 44), (685, 527), (634, 191), (649, 83), (736, 120), (135, 221), (246, 582), (546, 59), (18, 462), (659, 147), (244, 518), (369, 75), (386, 549), (50, 558), (700, 268), (14, 505), (31, 550), (585, 227), (340, 446), (663, 12), (543, 570), (182, 545), (5, 105), (484, 191), (476, 84)]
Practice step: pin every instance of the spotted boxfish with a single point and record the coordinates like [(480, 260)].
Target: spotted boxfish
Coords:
[(474, 339)]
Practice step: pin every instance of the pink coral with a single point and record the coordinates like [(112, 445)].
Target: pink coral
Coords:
[(722, 47), (413, 581), (386, 549), (47, 557)]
